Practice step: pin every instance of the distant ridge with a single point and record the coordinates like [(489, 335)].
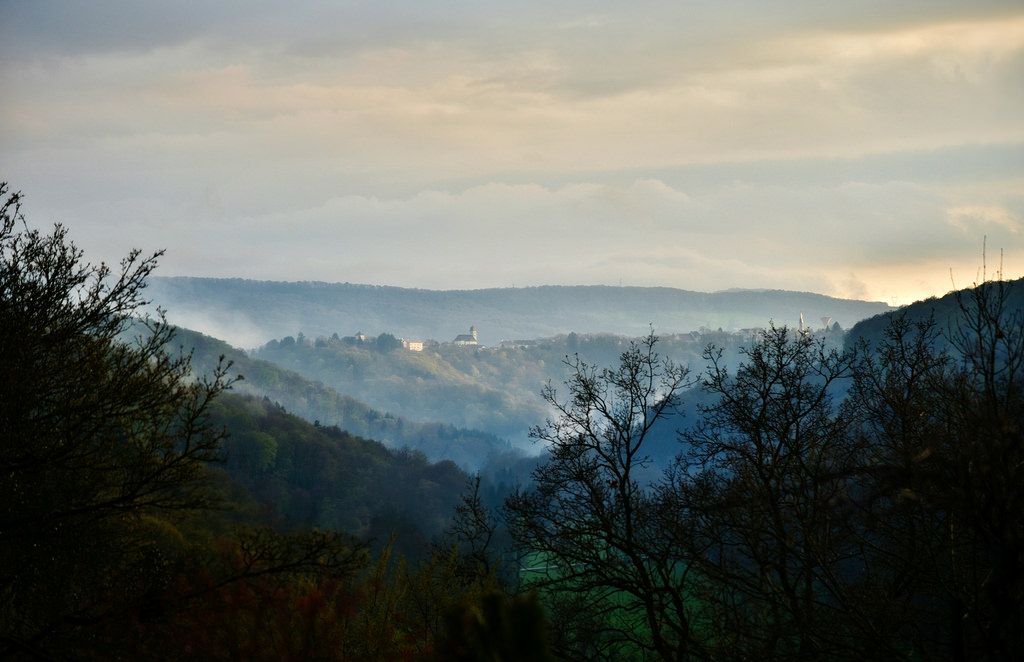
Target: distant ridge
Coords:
[(944, 311), (248, 313)]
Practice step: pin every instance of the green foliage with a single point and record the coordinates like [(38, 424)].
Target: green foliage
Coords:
[(826, 505), (422, 386), (109, 545), (105, 440), (327, 478), (494, 390), (386, 342), (314, 401)]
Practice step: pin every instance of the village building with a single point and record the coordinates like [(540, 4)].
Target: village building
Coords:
[(466, 338), (518, 344)]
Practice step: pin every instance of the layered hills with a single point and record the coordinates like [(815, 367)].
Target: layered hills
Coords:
[(320, 404), (249, 313), (465, 403)]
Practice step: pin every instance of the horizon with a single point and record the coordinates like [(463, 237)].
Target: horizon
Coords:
[(249, 313), (869, 152), (526, 287)]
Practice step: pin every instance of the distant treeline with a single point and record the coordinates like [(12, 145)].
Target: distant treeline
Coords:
[(249, 313)]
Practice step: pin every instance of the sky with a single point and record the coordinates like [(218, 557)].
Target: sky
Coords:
[(870, 149)]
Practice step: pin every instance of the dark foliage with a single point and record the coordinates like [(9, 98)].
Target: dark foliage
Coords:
[(827, 505), (593, 532), (118, 536), (324, 477), (104, 440)]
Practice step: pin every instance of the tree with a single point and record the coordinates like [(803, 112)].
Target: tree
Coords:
[(473, 535), (942, 409), (387, 342), (592, 526), (104, 439), (987, 468), (261, 595), (864, 504), (762, 477), (496, 627)]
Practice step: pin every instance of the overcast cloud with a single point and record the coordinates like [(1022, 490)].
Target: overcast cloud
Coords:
[(854, 149)]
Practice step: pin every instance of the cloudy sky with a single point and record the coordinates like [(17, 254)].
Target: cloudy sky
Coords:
[(859, 149)]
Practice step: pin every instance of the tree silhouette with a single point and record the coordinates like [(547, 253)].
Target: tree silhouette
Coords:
[(592, 529), (827, 504), (104, 438)]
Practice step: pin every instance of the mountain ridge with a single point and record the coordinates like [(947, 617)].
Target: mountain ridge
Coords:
[(248, 313)]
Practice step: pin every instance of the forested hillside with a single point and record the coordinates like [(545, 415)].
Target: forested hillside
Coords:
[(496, 390), (824, 503), (944, 311), (249, 313), (308, 475), (317, 403), (145, 514)]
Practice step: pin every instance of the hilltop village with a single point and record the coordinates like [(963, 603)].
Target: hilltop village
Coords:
[(829, 330)]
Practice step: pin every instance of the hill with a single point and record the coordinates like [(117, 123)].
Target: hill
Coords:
[(248, 313), (496, 390), (317, 476), (317, 403), (945, 310)]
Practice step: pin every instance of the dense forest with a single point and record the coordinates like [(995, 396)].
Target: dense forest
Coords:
[(330, 380), (317, 403), (145, 513), (825, 501)]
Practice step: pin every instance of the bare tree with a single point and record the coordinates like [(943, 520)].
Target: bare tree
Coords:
[(942, 410), (763, 476), (592, 524)]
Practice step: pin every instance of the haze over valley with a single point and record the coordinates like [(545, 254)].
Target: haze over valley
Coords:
[(647, 331), (250, 313)]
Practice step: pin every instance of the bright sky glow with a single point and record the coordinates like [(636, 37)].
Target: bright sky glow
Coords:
[(855, 149)]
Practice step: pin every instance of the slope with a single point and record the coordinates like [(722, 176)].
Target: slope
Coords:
[(320, 404)]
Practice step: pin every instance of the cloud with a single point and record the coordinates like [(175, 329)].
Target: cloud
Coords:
[(629, 90), (968, 217), (699, 145), (646, 233)]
